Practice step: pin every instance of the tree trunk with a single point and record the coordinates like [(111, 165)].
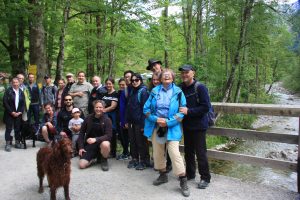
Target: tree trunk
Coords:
[(61, 55), (21, 48), (89, 50), (166, 33), (101, 26), (200, 48), (242, 38), (187, 25), (37, 53), (256, 80), (274, 76), (13, 48)]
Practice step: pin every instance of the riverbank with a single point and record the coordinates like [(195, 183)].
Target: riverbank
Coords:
[(285, 125)]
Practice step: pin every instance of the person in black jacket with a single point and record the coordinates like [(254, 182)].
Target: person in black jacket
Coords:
[(135, 122), (94, 137), (195, 124), (34, 108), (14, 105)]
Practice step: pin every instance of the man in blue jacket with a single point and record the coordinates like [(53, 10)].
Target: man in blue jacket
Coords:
[(195, 124)]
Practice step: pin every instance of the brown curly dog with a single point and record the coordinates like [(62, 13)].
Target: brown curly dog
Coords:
[(55, 161)]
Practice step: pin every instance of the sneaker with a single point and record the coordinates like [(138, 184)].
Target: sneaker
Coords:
[(123, 157), (8, 148), (132, 164), (203, 184), (184, 187), (141, 166), (163, 178), (104, 164)]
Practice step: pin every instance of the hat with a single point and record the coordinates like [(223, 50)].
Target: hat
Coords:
[(151, 62), (47, 76), (69, 74), (186, 68), (75, 110)]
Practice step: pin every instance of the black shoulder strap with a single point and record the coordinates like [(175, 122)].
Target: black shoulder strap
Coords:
[(196, 90)]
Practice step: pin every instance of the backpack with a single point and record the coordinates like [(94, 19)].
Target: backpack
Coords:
[(211, 114)]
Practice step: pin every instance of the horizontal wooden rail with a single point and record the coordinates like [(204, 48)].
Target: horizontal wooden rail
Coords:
[(258, 109), (254, 135), (265, 162)]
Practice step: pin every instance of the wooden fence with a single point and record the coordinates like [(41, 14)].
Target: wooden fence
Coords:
[(257, 109)]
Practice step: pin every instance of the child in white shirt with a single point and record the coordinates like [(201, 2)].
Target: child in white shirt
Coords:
[(74, 126)]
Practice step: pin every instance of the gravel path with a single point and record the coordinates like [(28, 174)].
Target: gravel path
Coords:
[(19, 181)]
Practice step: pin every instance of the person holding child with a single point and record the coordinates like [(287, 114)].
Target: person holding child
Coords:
[(74, 126)]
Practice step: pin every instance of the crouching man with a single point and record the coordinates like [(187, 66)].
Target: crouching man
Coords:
[(94, 138)]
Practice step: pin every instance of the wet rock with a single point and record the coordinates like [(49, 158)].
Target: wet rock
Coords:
[(287, 154)]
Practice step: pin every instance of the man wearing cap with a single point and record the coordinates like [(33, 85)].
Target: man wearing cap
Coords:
[(154, 65), (195, 124), (48, 91), (70, 81)]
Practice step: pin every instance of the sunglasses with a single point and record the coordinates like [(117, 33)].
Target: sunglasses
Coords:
[(135, 80), (68, 99)]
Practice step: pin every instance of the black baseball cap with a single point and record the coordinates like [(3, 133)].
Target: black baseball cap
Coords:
[(186, 68)]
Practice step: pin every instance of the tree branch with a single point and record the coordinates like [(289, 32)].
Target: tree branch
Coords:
[(82, 13), (5, 45)]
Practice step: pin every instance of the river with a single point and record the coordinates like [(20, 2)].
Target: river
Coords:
[(268, 176)]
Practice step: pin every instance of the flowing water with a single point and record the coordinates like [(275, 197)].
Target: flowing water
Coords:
[(285, 125)]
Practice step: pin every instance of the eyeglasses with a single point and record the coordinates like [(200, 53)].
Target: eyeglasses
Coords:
[(68, 99), (135, 80)]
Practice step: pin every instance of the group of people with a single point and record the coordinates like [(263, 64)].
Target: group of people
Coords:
[(93, 116)]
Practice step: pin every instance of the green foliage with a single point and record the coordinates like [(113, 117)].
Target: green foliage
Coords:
[(236, 121)]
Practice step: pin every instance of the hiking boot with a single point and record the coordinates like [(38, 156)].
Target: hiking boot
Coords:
[(18, 145), (184, 187), (7, 147), (203, 184), (132, 164), (163, 178), (104, 164), (141, 166)]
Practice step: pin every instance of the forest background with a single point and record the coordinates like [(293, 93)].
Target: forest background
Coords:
[(238, 47)]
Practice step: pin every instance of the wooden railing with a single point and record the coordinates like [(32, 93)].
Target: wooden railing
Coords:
[(257, 109)]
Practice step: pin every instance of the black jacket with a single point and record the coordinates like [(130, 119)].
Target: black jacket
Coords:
[(196, 118), (87, 130), (9, 103), (136, 100)]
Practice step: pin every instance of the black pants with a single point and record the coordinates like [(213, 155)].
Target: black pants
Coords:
[(195, 143), (124, 139), (139, 148), (10, 123)]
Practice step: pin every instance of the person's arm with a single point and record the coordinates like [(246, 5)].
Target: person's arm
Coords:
[(112, 106), (107, 131), (178, 117), (148, 111), (82, 133), (204, 101)]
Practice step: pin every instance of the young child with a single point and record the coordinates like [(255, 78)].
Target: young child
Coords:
[(74, 126)]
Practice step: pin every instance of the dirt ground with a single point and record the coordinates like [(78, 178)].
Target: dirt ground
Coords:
[(19, 181)]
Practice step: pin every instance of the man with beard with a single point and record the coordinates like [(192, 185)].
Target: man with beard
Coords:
[(64, 117)]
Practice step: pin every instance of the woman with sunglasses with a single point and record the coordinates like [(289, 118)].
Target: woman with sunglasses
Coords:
[(163, 127), (135, 122)]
